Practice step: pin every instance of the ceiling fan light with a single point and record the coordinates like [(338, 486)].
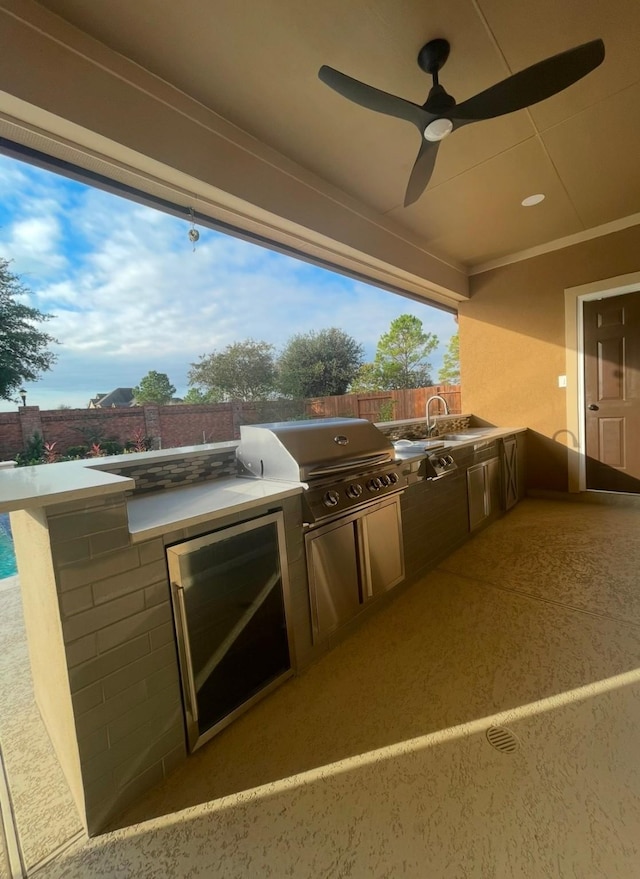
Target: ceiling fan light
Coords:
[(438, 130)]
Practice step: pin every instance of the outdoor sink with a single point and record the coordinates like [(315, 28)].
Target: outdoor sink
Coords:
[(466, 435)]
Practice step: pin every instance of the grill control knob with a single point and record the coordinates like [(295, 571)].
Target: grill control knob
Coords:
[(374, 484), (393, 478), (443, 462), (384, 479), (354, 490), (449, 459), (331, 498)]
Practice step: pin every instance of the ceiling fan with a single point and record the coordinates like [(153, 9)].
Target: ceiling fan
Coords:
[(439, 116)]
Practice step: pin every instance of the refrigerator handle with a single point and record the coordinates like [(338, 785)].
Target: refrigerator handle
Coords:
[(183, 642)]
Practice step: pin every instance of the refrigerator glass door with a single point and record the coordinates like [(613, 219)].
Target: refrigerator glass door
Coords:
[(229, 591)]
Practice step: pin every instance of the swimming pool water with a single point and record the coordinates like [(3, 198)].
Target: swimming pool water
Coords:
[(7, 556)]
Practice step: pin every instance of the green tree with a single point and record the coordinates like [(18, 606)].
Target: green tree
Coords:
[(367, 379), (195, 395), (318, 364), (155, 387), (450, 370), (242, 371), (23, 347), (401, 357)]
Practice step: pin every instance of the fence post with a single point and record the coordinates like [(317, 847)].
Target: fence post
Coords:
[(30, 423), (152, 424)]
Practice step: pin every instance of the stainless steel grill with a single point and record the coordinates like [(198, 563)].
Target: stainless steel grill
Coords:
[(344, 462)]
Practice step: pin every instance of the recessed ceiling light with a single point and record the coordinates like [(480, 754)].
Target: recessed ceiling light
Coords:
[(532, 199)]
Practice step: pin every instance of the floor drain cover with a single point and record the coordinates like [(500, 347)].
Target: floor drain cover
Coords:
[(502, 739)]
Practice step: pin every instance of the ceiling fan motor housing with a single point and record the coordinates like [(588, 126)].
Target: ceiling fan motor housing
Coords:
[(439, 101)]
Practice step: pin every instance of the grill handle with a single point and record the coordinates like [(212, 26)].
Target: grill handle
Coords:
[(351, 464)]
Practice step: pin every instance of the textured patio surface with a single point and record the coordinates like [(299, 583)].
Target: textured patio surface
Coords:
[(376, 762)]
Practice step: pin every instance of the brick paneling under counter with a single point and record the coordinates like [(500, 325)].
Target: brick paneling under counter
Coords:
[(118, 636), (117, 628)]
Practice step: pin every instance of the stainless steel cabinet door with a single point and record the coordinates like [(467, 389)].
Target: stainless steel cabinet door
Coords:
[(477, 495), (484, 485), (383, 550), (334, 583)]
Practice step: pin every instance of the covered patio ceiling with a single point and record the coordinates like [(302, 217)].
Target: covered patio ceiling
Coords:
[(299, 164)]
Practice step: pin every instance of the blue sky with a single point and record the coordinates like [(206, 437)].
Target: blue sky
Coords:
[(129, 294)]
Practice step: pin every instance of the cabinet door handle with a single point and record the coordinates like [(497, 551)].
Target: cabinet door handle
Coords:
[(593, 407)]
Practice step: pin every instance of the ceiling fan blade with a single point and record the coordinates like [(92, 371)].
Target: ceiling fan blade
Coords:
[(374, 99), (532, 84), (422, 171)]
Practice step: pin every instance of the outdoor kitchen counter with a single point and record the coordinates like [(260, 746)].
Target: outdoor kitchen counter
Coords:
[(156, 513), (23, 488), (43, 485), (422, 448)]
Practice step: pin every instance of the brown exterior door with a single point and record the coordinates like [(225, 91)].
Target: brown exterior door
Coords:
[(612, 392)]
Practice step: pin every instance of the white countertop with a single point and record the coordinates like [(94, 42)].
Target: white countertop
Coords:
[(422, 448), (156, 513), (47, 484)]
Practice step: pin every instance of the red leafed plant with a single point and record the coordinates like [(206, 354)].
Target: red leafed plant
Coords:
[(95, 451), (138, 441), (50, 454)]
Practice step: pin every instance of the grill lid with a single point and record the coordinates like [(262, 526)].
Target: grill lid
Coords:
[(297, 451)]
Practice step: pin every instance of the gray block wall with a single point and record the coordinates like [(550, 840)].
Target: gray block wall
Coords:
[(118, 634), (117, 627)]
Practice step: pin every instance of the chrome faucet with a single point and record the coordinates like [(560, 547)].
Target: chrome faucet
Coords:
[(431, 427)]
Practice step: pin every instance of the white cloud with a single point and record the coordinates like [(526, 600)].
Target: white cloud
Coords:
[(34, 242)]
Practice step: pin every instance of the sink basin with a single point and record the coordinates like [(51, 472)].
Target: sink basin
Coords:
[(467, 435)]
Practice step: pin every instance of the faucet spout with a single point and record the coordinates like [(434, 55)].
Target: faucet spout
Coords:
[(430, 426)]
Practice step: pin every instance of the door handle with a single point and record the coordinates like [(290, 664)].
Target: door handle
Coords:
[(593, 407)]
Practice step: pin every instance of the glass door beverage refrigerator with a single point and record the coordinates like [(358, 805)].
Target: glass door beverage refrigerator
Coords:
[(230, 593)]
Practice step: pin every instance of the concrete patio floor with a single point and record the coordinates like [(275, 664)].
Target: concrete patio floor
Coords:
[(376, 762)]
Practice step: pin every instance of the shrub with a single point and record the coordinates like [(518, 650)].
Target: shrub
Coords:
[(74, 452), (112, 447), (34, 452)]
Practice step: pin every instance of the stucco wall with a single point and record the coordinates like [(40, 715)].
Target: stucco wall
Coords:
[(512, 344)]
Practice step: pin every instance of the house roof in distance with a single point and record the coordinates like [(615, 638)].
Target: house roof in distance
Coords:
[(118, 398)]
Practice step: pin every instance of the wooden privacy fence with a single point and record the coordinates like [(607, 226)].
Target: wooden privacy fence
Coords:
[(386, 405)]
